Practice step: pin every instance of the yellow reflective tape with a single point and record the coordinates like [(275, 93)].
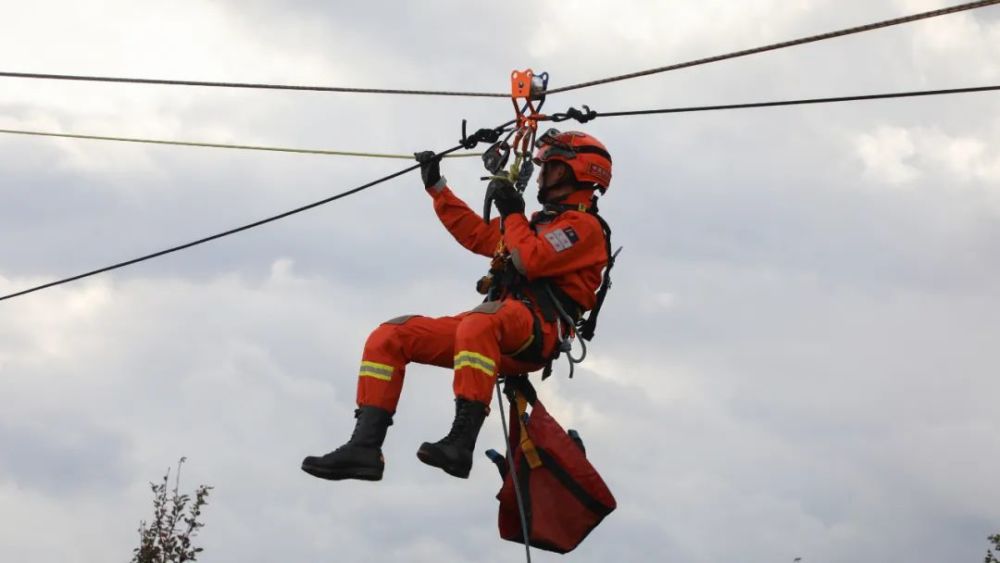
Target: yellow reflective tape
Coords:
[(527, 446), (467, 355), (523, 346), (474, 365), (364, 373), (376, 370), (468, 359)]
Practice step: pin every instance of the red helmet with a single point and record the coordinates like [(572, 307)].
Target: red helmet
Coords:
[(585, 155)]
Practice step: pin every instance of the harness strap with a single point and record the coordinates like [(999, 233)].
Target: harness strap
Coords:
[(586, 330), (552, 304), (531, 351)]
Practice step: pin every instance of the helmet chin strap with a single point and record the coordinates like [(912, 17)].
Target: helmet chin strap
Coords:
[(559, 183)]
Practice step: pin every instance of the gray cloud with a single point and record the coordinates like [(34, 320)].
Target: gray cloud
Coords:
[(796, 359), (62, 457)]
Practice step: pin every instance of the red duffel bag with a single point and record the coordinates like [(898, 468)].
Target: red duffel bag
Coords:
[(564, 496)]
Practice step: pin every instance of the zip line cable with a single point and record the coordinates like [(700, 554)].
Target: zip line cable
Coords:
[(587, 114), (573, 113), (344, 89), (235, 230), (782, 45), (250, 86), (224, 146)]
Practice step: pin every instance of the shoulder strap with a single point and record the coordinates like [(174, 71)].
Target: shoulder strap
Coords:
[(589, 325)]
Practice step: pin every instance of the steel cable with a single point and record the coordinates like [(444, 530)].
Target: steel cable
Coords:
[(354, 90), (223, 146), (587, 114), (230, 231), (246, 85), (782, 45)]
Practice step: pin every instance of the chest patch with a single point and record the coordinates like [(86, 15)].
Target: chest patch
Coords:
[(561, 239)]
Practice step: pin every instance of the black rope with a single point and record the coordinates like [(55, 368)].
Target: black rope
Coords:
[(512, 467), (234, 230), (254, 86), (587, 114), (782, 45), (354, 90)]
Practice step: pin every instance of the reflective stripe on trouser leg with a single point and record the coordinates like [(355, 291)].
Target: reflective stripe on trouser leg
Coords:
[(480, 337), (392, 346)]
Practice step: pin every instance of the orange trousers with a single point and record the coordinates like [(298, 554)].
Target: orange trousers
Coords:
[(476, 344)]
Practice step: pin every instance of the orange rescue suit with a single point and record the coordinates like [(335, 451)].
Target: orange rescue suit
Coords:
[(569, 250)]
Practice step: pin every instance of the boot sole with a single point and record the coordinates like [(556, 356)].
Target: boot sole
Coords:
[(429, 458), (357, 473)]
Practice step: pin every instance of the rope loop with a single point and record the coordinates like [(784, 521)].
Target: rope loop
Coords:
[(484, 135), (582, 116)]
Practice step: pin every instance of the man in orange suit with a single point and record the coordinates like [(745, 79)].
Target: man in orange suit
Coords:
[(545, 274)]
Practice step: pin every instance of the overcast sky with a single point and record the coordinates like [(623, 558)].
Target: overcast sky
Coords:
[(795, 359)]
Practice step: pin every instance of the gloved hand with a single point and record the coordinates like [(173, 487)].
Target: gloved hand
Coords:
[(430, 168), (506, 197)]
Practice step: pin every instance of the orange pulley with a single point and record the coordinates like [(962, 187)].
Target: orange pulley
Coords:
[(527, 88)]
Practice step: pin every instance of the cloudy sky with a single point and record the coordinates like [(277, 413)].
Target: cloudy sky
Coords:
[(795, 359)]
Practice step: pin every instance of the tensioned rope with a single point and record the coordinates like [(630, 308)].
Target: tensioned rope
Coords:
[(573, 113), (252, 86), (223, 146), (344, 89), (587, 114), (237, 229), (841, 33), (782, 45), (582, 116)]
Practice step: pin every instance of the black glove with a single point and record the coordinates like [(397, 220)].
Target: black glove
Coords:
[(430, 167), (506, 197)]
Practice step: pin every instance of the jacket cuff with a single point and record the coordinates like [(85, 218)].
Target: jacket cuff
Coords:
[(438, 186), (513, 215)]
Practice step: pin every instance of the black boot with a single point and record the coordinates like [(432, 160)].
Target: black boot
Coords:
[(453, 453), (361, 457)]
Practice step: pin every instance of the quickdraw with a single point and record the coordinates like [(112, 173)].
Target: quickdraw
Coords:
[(531, 88), (527, 94)]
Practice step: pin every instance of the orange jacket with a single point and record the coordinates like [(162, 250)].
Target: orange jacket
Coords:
[(570, 250)]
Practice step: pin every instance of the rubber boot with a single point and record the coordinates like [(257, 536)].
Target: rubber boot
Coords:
[(361, 457), (453, 453)]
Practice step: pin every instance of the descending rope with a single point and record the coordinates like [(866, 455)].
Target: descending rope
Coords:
[(224, 146), (237, 229), (525, 533), (782, 45), (254, 86), (588, 114)]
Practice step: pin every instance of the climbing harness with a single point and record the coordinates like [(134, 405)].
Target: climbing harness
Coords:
[(528, 92), (526, 469)]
